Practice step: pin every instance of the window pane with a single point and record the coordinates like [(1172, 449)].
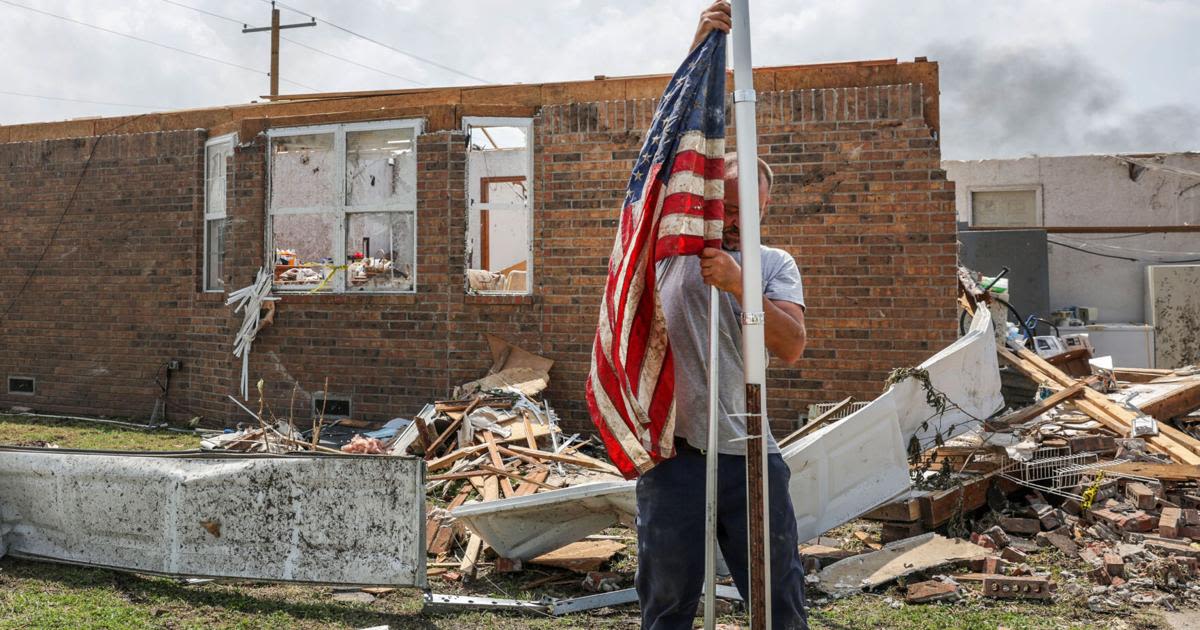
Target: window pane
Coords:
[(498, 227), (302, 171), (214, 243), (381, 167), (380, 248), (1004, 208), (303, 249), (214, 184)]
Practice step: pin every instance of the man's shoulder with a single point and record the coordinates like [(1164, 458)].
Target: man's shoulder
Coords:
[(774, 258)]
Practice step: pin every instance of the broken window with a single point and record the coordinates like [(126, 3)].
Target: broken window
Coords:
[(1009, 207), (500, 205), (343, 207), (217, 153)]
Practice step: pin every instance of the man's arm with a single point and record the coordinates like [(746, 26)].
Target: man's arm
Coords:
[(715, 18), (784, 331)]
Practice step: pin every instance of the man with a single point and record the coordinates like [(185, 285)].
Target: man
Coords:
[(671, 495)]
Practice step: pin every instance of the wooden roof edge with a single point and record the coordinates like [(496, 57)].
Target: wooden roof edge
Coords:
[(789, 77)]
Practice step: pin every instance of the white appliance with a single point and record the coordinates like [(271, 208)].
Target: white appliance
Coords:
[(1130, 345)]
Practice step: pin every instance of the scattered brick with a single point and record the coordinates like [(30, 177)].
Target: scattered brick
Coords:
[(1114, 564), (1169, 522), (1141, 495), (931, 591), (1015, 525), (1012, 554), (997, 534), (1013, 587)]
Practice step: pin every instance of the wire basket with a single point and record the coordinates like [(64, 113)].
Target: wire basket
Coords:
[(1058, 471)]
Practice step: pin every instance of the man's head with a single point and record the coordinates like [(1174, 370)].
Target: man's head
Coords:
[(731, 236)]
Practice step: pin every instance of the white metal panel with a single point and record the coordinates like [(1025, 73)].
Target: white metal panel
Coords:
[(527, 527), (321, 519), (847, 468), (1172, 308), (1129, 345), (967, 372)]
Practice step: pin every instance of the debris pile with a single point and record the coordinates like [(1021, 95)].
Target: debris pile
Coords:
[(1092, 490)]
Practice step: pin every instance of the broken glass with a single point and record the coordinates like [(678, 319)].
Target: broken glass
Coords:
[(380, 251), (303, 250), (302, 171), (381, 167)]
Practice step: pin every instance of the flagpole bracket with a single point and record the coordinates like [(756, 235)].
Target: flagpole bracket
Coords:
[(753, 319), (744, 96)]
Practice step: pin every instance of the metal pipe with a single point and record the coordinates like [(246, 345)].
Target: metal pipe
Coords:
[(710, 465), (753, 319)]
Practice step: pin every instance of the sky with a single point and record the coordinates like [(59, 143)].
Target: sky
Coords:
[(1018, 77)]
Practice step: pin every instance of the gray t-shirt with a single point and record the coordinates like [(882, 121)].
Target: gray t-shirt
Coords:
[(685, 305)]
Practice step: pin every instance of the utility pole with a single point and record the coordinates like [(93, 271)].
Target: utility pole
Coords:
[(275, 28)]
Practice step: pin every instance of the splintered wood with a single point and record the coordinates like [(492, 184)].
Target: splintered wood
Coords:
[(492, 445), (1179, 446)]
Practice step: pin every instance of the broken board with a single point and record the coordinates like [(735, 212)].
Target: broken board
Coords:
[(522, 528), (967, 372), (847, 468)]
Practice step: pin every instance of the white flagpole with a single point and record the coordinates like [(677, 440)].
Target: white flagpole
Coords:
[(753, 321), (710, 466)]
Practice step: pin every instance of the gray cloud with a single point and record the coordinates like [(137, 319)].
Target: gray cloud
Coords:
[(1005, 102)]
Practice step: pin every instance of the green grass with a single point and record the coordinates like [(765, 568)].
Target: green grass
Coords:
[(47, 595), (22, 430)]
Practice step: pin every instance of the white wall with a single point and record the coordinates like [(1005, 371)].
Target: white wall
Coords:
[(1096, 190), (494, 164)]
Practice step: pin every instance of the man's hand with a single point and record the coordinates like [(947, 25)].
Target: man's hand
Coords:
[(714, 18), (719, 269)]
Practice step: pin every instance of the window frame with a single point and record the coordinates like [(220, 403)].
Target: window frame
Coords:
[(501, 121), (1039, 215), (205, 271), (338, 209)]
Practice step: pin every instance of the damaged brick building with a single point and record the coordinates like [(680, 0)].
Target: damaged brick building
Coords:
[(403, 225)]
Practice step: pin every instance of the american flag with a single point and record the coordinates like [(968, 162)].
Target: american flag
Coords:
[(673, 206)]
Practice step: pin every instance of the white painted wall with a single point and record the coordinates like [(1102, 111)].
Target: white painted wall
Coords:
[(495, 164), (1097, 190)]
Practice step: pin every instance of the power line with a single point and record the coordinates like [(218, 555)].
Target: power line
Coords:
[(148, 41), (350, 61), (1130, 259), (379, 43), (76, 100), (292, 41)]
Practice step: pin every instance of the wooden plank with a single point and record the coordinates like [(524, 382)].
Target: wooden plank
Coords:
[(817, 422), (538, 478), (1139, 375), (470, 560), (529, 438), (1178, 402), (582, 556), (424, 436), (1100, 408), (450, 458), (1042, 406), (1162, 472), (512, 475), (903, 511), (505, 484), (578, 459)]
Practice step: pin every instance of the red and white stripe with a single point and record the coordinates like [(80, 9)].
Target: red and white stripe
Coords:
[(631, 388)]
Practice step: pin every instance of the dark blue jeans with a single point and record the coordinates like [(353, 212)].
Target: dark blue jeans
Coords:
[(670, 524)]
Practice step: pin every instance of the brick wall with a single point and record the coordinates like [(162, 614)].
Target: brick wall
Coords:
[(859, 199)]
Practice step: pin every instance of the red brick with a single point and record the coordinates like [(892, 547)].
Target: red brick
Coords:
[(118, 291)]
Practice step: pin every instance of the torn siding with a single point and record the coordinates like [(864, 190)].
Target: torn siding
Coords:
[(336, 520)]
